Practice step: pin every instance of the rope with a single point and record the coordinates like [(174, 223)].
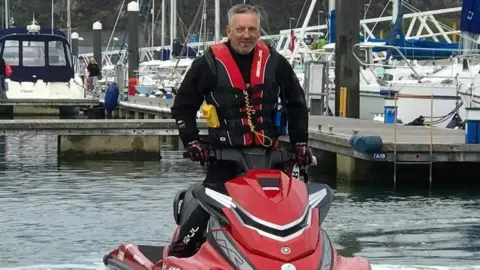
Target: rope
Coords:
[(249, 112), (301, 13), (88, 91), (368, 8), (381, 14), (189, 34), (115, 25)]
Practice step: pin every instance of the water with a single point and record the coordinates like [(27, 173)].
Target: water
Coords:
[(68, 216)]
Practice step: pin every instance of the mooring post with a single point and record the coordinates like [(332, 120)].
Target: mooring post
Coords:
[(133, 56), (97, 43), (75, 44), (346, 66)]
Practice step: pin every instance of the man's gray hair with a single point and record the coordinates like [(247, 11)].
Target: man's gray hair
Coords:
[(242, 9)]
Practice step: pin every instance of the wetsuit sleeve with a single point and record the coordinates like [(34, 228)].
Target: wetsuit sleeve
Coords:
[(188, 100), (295, 102)]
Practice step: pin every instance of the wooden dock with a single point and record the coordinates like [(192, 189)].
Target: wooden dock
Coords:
[(154, 102), (148, 120), (41, 107), (142, 108), (50, 102), (412, 143), (92, 127)]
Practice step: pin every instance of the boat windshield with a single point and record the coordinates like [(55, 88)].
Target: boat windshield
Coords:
[(37, 57), (34, 53), (11, 52)]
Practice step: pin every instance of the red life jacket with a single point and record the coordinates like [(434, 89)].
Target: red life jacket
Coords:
[(229, 98)]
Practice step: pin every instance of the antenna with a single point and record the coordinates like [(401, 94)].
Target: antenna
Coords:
[(33, 28)]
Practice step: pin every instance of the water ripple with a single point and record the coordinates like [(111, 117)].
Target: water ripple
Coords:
[(69, 216)]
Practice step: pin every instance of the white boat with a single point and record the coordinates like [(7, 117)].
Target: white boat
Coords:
[(444, 93), (42, 64), (434, 94), (373, 80), (164, 74)]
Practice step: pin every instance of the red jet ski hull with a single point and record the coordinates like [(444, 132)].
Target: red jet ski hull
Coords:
[(268, 220), (130, 256)]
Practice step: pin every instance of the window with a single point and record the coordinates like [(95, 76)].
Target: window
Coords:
[(69, 55), (56, 54), (11, 52), (33, 53), (387, 77)]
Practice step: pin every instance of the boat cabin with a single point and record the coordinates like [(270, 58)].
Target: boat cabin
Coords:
[(37, 56)]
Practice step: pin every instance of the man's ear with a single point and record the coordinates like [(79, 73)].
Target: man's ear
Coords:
[(228, 30)]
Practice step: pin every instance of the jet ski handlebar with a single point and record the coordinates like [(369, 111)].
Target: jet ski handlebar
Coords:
[(251, 158)]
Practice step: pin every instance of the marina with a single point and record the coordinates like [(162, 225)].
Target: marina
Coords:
[(394, 125), (443, 72)]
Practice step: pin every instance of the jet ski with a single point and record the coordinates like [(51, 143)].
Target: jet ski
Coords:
[(270, 219)]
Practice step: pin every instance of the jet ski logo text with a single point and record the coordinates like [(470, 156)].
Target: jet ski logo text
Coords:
[(189, 236)]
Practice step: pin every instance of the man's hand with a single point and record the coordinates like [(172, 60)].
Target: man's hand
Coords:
[(304, 157), (198, 152)]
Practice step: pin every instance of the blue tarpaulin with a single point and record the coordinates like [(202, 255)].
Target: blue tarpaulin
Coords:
[(470, 18), (331, 27)]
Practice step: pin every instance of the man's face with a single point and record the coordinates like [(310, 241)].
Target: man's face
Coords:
[(244, 32)]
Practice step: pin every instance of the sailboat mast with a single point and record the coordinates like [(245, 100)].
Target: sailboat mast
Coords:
[(217, 20), (395, 9), (52, 17), (69, 22), (153, 22), (163, 25), (6, 14), (172, 22)]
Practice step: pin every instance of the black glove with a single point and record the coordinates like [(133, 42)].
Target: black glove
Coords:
[(198, 152), (304, 157)]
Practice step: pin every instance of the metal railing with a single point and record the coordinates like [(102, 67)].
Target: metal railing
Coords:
[(471, 56)]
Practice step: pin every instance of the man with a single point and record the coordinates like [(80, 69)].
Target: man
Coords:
[(230, 75)]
